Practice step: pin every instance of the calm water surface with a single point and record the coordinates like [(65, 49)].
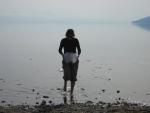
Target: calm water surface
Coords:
[(115, 57)]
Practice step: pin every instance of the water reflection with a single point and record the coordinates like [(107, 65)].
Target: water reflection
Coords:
[(145, 26), (68, 99), (121, 58)]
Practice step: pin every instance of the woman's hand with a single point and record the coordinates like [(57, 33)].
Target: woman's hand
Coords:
[(62, 55)]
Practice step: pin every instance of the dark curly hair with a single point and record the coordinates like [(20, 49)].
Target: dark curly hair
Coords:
[(70, 33)]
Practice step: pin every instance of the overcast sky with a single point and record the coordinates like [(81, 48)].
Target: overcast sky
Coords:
[(77, 9)]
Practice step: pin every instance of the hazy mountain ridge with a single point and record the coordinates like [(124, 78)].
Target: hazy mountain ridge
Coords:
[(145, 20)]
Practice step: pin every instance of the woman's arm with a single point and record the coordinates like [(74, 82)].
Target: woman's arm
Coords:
[(60, 48), (78, 47)]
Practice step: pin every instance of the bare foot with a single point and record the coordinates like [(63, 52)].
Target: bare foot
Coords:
[(65, 89)]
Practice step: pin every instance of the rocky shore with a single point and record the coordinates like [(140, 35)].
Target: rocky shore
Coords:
[(88, 107)]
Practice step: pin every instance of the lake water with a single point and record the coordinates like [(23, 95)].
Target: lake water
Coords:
[(115, 57)]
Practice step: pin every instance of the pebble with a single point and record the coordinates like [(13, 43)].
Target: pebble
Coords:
[(19, 84), (82, 89), (3, 101), (103, 90), (58, 88), (147, 94), (37, 103), (33, 90), (118, 91), (119, 98), (45, 96), (109, 79), (50, 101), (89, 102)]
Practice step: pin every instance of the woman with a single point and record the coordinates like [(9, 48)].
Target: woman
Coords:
[(70, 58)]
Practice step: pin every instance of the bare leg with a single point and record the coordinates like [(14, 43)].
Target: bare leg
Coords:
[(72, 87), (65, 85), (65, 99), (72, 99)]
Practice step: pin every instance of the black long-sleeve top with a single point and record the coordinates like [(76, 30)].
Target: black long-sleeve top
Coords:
[(69, 45)]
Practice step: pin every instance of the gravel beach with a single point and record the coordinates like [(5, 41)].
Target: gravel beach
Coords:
[(87, 107)]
